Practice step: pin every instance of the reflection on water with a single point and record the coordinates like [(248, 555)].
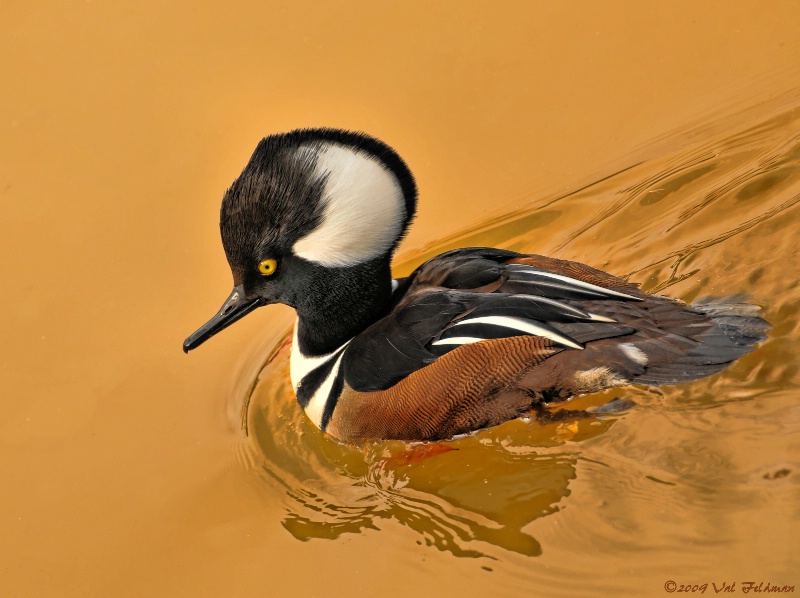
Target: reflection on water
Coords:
[(703, 213), (462, 496)]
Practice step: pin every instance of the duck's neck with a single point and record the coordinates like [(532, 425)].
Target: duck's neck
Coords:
[(342, 303)]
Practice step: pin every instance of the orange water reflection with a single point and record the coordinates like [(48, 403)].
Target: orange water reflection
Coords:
[(124, 468)]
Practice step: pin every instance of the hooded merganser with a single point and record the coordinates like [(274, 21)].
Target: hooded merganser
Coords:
[(472, 338)]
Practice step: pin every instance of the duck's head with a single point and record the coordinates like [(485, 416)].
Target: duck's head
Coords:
[(315, 215)]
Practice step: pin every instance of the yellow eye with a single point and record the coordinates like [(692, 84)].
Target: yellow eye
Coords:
[(268, 267)]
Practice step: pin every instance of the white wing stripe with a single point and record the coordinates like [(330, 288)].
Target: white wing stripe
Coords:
[(596, 318), (458, 340), (578, 283), (523, 326)]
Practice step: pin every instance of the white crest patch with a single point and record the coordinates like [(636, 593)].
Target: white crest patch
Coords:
[(363, 210)]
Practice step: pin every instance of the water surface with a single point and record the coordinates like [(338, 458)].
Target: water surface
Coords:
[(658, 141), (703, 477)]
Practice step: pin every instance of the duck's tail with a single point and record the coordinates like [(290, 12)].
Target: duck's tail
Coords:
[(735, 328)]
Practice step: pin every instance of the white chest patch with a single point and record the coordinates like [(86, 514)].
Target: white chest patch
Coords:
[(363, 210), (300, 365), (316, 406)]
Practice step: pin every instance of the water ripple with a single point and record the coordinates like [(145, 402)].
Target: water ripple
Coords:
[(711, 210)]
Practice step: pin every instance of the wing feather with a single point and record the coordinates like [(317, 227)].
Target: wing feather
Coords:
[(481, 294)]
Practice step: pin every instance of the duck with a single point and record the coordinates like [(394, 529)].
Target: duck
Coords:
[(472, 338)]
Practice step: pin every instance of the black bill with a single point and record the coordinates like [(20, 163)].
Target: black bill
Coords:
[(234, 308)]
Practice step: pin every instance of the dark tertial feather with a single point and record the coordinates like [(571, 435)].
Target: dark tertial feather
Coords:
[(529, 307), (528, 280), (472, 273), (427, 314), (585, 332)]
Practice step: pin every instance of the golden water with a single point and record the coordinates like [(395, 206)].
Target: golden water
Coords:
[(661, 143)]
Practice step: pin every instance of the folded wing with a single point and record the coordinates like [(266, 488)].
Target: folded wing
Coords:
[(478, 294)]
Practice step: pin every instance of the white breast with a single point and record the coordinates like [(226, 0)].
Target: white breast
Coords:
[(300, 365)]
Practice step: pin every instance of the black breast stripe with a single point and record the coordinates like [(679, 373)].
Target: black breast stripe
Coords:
[(313, 380), (333, 398)]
